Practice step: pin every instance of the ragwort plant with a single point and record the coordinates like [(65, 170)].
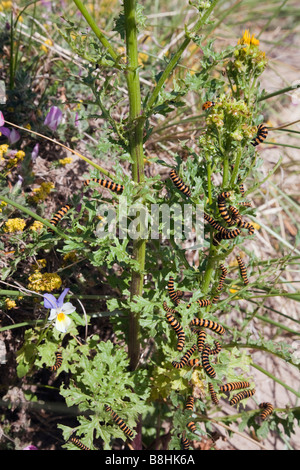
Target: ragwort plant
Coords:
[(135, 375)]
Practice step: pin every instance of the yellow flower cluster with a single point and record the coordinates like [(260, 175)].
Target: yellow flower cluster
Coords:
[(70, 257), (44, 282), (14, 225), (65, 161), (3, 150), (2, 204), (10, 304), (41, 193), (36, 226), (248, 40)]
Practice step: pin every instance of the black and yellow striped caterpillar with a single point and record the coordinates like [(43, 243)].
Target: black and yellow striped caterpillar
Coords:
[(172, 293), (262, 132), (208, 324), (222, 207), (214, 223), (201, 302), (185, 358), (243, 224), (267, 409), (243, 270), (185, 443), (58, 362), (190, 406), (234, 386), (178, 330), (78, 443), (222, 277), (213, 394), (216, 349), (201, 337), (230, 234), (193, 362), (58, 216), (240, 396), (179, 183), (205, 362), (119, 422), (115, 187), (169, 309)]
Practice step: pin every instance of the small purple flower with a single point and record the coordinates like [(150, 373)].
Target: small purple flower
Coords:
[(35, 152), (30, 447), (53, 118), (2, 122)]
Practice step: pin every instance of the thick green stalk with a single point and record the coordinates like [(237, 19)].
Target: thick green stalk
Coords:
[(135, 136)]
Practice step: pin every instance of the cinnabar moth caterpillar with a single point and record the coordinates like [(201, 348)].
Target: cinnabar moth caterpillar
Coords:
[(172, 293), (242, 189), (214, 223), (213, 394), (240, 396), (243, 269), (267, 409), (59, 215), (179, 183), (58, 362), (201, 302), (193, 362), (208, 324), (201, 337), (119, 422), (241, 223), (78, 443), (116, 188), (190, 403), (234, 386), (207, 105), (245, 204), (185, 443), (178, 330), (223, 209), (205, 362), (222, 277), (191, 425), (262, 132), (168, 309), (217, 348), (184, 360), (235, 212), (226, 236)]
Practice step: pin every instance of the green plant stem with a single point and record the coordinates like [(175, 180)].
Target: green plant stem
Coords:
[(268, 374), (175, 58), (135, 137), (96, 30), (279, 92)]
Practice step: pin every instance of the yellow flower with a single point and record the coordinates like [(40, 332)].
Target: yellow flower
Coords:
[(36, 226), (10, 304), (44, 282), (248, 40), (6, 5), (65, 161), (234, 289), (28, 126), (41, 193), (14, 225), (44, 47)]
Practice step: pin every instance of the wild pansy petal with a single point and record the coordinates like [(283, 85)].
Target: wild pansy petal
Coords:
[(60, 299), (2, 122), (62, 322), (68, 308), (50, 301)]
